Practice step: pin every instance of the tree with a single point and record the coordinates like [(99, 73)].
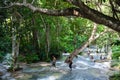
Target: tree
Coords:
[(76, 8), (80, 9), (92, 38)]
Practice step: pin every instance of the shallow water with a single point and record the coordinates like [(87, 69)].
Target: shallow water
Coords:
[(83, 69)]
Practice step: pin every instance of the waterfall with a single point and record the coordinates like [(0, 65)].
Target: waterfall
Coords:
[(7, 61)]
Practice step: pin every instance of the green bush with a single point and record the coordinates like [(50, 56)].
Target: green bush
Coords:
[(115, 77), (115, 63), (116, 52), (116, 55), (21, 58), (29, 58), (116, 48), (48, 60), (1, 56)]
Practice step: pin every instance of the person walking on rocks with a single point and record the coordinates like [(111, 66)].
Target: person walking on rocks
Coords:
[(70, 63), (53, 61), (88, 53)]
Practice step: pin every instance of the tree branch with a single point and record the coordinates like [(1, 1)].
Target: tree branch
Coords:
[(32, 1), (91, 39), (113, 10), (81, 10), (65, 12), (98, 17)]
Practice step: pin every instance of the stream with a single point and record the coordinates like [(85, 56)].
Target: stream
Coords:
[(83, 69)]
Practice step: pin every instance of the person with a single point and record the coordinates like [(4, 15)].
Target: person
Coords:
[(88, 53), (92, 58), (70, 63), (101, 57), (76, 56), (53, 61)]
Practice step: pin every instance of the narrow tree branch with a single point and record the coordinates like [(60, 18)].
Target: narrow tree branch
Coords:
[(65, 12), (32, 1), (113, 10), (117, 10)]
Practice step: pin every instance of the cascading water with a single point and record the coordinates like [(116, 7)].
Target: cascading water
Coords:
[(7, 61), (4, 74), (83, 69)]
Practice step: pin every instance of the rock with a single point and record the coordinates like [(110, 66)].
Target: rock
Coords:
[(3, 70), (1, 73), (4, 75)]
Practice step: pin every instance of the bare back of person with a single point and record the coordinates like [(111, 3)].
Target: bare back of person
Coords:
[(54, 61)]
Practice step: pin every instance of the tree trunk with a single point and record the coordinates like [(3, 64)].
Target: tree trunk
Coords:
[(35, 38), (35, 41), (58, 32), (109, 53), (91, 39), (47, 32), (15, 50), (47, 35)]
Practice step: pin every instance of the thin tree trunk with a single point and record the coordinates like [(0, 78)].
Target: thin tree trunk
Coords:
[(35, 41), (109, 53), (47, 31), (16, 21), (57, 33), (35, 38), (47, 34), (15, 50)]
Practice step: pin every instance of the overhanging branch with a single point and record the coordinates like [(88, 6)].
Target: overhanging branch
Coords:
[(81, 10), (72, 11)]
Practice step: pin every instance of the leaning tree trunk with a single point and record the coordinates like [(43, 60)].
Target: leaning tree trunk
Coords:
[(91, 39), (75, 52)]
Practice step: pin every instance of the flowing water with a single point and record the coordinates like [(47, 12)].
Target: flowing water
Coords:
[(83, 69)]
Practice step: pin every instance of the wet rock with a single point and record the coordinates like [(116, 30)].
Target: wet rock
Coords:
[(1, 73), (4, 75), (3, 70)]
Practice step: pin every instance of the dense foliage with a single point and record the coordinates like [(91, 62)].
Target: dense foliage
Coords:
[(115, 77), (41, 36), (116, 52)]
